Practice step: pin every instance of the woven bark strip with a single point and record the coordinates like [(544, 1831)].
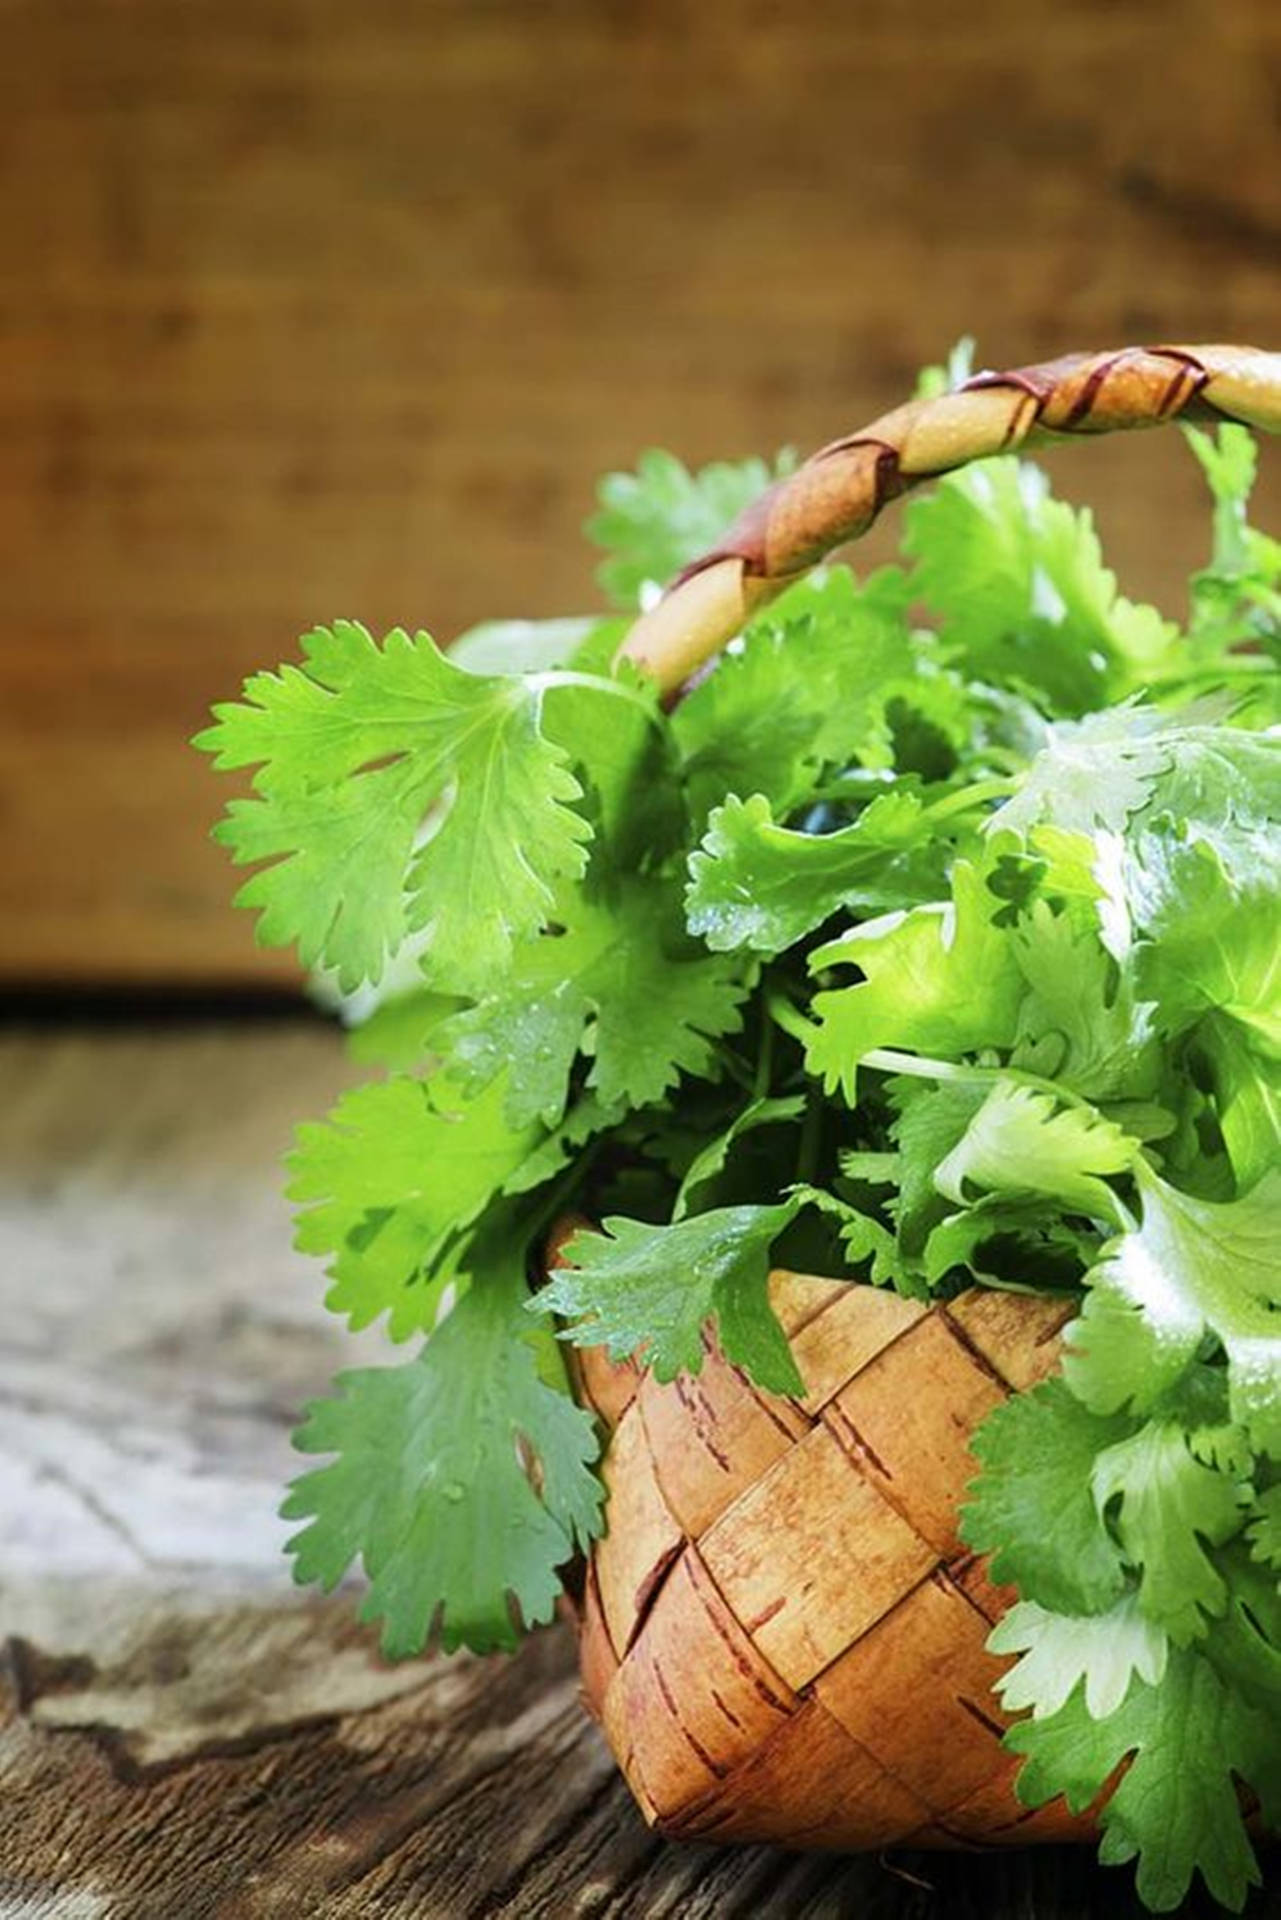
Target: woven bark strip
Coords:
[(782, 1635), (840, 490)]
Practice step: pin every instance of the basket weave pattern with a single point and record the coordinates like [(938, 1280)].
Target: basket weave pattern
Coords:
[(783, 1636)]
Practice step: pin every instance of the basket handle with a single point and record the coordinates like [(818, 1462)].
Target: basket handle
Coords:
[(838, 492)]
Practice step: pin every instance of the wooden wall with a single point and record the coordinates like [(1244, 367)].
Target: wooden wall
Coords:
[(312, 307)]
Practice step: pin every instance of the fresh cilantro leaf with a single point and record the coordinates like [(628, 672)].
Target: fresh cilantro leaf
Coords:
[(867, 1244), (534, 646), (1243, 1644), (710, 1160), (1176, 1807), (622, 751), (1022, 1141), (1032, 1508), (807, 686), (1104, 1037), (398, 1169), (652, 522), (429, 1490), (851, 646), (1129, 761), (938, 979), (1237, 598), (1216, 776), (749, 725), (1168, 1507), (1102, 1650), (1247, 1086), (1211, 933), (400, 1032), (997, 1231), (618, 978), (651, 1290), (756, 884), (930, 1119), (586, 1120), (1191, 1267), (395, 792), (1264, 1527), (1025, 597)]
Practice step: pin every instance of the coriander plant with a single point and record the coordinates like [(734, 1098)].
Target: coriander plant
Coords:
[(931, 939)]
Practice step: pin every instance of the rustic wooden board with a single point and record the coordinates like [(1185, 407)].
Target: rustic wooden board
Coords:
[(310, 309), (182, 1735)]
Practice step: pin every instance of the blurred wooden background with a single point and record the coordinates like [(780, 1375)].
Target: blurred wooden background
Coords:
[(311, 308)]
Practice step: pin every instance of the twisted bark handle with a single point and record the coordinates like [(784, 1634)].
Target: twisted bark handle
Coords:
[(837, 494)]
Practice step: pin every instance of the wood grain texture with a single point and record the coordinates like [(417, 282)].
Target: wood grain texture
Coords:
[(182, 1735), (308, 310)]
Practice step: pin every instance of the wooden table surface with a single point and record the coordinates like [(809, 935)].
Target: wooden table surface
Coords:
[(182, 1734)]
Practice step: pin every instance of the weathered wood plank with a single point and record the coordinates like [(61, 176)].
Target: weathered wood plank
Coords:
[(182, 1735), (309, 310)]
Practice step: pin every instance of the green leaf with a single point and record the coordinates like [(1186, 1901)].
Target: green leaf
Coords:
[(939, 980), (1244, 1643), (1022, 1141), (997, 1234), (1264, 1528), (1192, 1267), (1237, 598), (1060, 1651), (531, 646), (1130, 761), (620, 745), (756, 884), (1169, 1506), (398, 1168), (930, 1119), (1247, 1087), (396, 792), (807, 686), (1176, 1807), (654, 521), (866, 1243), (1032, 1508), (1103, 1034), (428, 1488), (750, 726), (1211, 929), (586, 1120), (619, 979), (710, 1161), (649, 1291), (400, 1033), (1025, 597)]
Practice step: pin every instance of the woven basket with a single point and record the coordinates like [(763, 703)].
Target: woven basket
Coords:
[(782, 1634)]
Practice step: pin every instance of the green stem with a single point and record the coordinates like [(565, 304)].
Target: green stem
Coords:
[(811, 1140), (789, 1018), (1208, 670), (921, 1067), (764, 1061), (972, 796), (542, 1216)]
